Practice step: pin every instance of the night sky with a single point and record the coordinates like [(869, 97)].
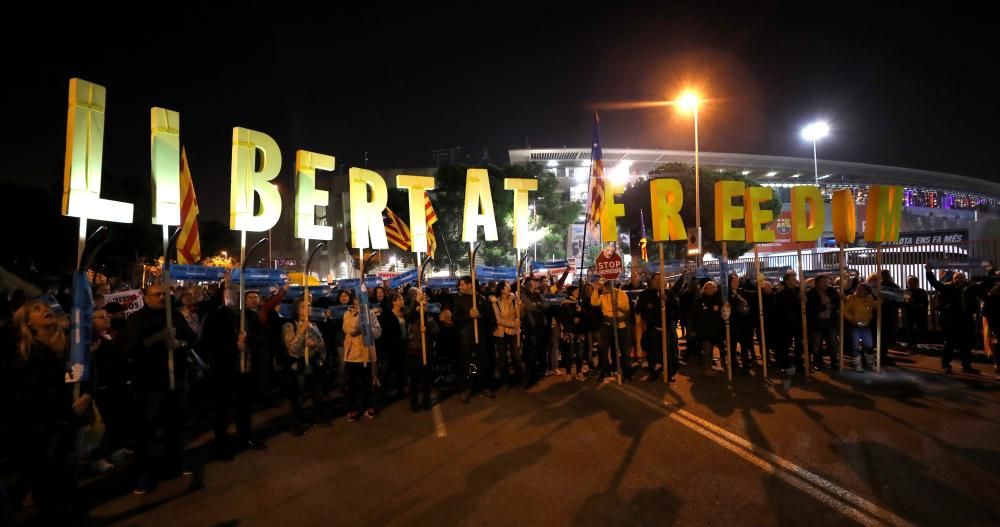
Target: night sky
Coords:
[(899, 86)]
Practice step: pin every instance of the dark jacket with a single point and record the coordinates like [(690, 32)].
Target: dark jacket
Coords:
[(708, 323), (788, 310), (648, 307), (390, 344), (814, 305), (958, 306), (572, 319), (146, 344), (42, 399), (219, 342)]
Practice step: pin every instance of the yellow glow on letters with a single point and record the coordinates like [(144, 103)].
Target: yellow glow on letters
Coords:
[(84, 151), (416, 186), (726, 212), (845, 225), (366, 216), (165, 157), (665, 200), (755, 217), (884, 213), (803, 230), (308, 197), (611, 210), (478, 198), (521, 187), (246, 180)]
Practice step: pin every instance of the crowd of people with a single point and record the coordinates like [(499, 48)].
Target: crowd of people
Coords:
[(153, 385)]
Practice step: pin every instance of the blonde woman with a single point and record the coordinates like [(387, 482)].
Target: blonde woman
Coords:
[(44, 411)]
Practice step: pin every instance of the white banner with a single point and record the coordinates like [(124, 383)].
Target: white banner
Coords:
[(130, 300)]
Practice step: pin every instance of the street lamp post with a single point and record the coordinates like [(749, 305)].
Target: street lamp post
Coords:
[(689, 102)]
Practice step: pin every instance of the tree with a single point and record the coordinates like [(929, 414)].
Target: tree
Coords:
[(637, 197)]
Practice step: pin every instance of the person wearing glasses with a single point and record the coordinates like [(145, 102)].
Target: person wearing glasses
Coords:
[(147, 342)]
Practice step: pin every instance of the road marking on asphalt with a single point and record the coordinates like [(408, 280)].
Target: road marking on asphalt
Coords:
[(831, 494), (439, 427)]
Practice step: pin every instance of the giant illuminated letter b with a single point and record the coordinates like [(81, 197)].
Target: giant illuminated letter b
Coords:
[(246, 180)]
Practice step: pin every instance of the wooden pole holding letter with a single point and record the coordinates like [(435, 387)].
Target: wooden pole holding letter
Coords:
[(760, 310), (802, 304), (423, 330)]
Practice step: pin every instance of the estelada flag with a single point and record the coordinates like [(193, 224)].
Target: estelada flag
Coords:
[(188, 242), (431, 220), (396, 230), (595, 198)]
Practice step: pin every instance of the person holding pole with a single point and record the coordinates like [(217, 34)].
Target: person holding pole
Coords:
[(572, 335), (823, 314), (648, 306), (614, 313), (148, 341), (304, 378), (231, 387), (708, 324), (418, 371), (467, 310)]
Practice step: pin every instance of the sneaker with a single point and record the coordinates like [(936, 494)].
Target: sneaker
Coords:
[(353, 416), (144, 486), (581, 376), (970, 370), (370, 413)]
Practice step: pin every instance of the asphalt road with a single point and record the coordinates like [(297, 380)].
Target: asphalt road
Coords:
[(908, 447)]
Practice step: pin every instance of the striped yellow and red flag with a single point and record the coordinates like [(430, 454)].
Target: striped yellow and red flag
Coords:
[(595, 200), (188, 242), (431, 220), (396, 230)]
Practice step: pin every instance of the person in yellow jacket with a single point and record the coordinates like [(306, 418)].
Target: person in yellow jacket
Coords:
[(859, 311), (602, 296)]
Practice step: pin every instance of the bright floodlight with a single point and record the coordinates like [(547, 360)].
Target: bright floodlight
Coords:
[(688, 101), (815, 131)]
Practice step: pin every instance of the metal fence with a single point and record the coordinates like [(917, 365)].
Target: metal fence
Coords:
[(901, 261)]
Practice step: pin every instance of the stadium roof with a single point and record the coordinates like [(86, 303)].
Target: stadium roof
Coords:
[(774, 169)]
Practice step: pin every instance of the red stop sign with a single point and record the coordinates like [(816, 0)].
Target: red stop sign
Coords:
[(608, 265)]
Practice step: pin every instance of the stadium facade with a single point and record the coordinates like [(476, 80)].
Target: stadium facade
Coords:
[(938, 207)]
